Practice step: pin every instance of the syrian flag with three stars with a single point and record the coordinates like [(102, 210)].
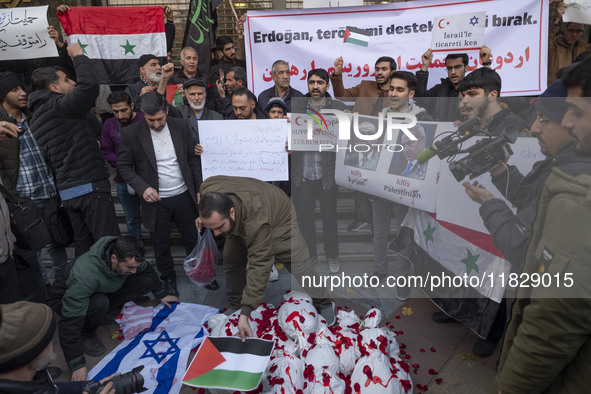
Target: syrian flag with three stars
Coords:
[(163, 349), (114, 37), (437, 249)]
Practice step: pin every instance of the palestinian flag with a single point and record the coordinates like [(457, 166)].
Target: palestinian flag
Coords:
[(230, 364), (438, 249), (114, 37), (173, 95), (356, 36)]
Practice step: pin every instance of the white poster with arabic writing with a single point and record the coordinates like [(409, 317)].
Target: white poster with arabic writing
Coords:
[(578, 11), (23, 34), (246, 148), (516, 32)]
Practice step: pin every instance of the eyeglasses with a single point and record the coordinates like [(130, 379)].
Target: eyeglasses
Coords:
[(575, 31), (543, 121)]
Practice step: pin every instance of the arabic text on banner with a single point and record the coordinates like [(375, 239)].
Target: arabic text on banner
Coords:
[(23, 34)]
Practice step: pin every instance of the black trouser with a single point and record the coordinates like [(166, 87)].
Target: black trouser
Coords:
[(362, 207), (182, 211), (304, 199), (93, 216), (9, 289)]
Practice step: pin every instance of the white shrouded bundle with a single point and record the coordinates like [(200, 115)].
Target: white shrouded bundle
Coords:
[(312, 358)]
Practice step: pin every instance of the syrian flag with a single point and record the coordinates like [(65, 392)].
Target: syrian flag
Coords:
[(356, 36), (230, 364), (163, 349), (114, 37), (439, 249)]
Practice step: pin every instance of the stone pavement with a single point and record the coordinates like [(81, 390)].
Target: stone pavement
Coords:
[(442, 348)]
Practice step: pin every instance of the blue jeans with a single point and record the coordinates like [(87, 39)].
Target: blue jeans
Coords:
[(59, 256), (131, 207)]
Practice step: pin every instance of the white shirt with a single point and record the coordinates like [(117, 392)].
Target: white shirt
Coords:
[(170, 178)]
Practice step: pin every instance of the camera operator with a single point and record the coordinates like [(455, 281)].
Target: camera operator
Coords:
[(479, 93), (511, 232), (26, 330), (479, 96)]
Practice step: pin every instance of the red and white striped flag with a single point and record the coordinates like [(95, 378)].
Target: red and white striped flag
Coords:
[(115, 37)]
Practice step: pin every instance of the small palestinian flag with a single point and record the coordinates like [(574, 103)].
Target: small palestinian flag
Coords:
[(356, 36), (114, 37), (173, 95), (230, 364)]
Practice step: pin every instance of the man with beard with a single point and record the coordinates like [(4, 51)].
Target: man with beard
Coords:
[(260, 227), (150, 77), (566, 45), (479, 94), (281, 77), (313, 175), (371, 100), (440, 99), (196, 111), (479, 97), (245, 106), (123, 109), (371, 94), (189, 70), (157, 159), (235, 79), (512, 232), (544, 349), (26, 331), (228, 59)]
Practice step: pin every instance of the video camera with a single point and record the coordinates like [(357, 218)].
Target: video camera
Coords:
[(482, 156)]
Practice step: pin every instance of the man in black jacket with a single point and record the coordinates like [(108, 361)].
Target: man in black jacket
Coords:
[(68, 132), (439, 100), (313, 175), (157, 159)]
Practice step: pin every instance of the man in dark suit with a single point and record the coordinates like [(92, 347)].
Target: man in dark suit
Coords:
[(156, 158), (412, 168)]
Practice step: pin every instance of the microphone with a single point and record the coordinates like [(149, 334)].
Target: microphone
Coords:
[(444, 146), (427, 154)]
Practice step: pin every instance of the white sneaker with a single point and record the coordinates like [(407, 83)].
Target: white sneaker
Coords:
[(333, 265), (274, 276)]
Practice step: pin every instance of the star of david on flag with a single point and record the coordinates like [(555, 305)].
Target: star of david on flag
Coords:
[(163, 349)]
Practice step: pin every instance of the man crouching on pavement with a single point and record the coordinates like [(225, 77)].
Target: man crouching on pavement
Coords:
[(110, 274), (260, 226)]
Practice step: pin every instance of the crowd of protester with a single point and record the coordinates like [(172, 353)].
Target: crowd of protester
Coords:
[(54, 150)]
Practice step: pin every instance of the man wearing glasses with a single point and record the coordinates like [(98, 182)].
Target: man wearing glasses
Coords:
[(437, 100), (564, 46)]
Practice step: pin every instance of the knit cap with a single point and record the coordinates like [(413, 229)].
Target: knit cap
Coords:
[(26, 330)]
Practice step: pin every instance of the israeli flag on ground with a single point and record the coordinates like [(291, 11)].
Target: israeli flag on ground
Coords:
[(163, 349)]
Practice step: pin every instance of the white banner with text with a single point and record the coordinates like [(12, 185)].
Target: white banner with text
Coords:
[(516, 32)]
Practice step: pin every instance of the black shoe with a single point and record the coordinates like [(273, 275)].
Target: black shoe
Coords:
[(170, 287), (442, 318), (92, 345), (54, 372), (483, 348), (213, 285)]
